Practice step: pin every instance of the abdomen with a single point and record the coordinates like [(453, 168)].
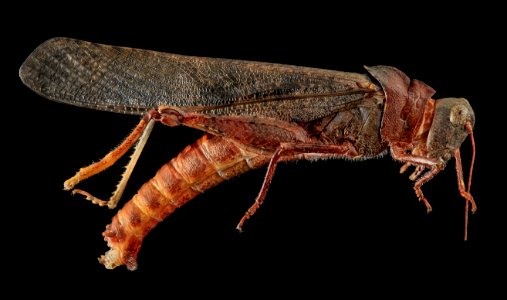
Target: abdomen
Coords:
[(200, 166)]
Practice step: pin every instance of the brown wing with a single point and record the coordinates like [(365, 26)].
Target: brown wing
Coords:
[(132, 81)]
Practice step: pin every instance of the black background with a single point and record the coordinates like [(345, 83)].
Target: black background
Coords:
[(325, 226)]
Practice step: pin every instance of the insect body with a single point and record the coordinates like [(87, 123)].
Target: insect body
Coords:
[(254, 114)]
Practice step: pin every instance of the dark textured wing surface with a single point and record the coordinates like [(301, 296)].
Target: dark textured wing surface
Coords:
[(132, 81)]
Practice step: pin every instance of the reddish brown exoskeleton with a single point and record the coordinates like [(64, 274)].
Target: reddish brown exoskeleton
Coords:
[(254, 114)]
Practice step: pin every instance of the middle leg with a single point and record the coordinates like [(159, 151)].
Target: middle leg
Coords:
[(289, 151)]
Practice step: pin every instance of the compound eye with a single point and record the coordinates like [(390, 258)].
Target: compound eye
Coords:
[(459, 114)]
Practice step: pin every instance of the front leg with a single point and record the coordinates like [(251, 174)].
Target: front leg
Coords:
[(420, 163), (400, 154), (419, 183)]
